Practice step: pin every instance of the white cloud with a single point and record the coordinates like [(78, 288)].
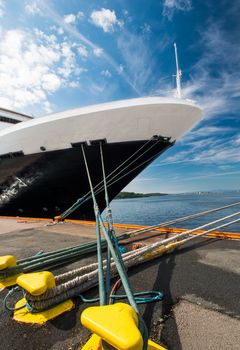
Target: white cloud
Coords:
[(170, 6), (47, 107), (74, 84), (32, 8), (120, 69), (82, 51), (50, 39), (206, 175), (208, 151), (237, 140), (80, 14), (69, 61), (58, 30), (95, 89), (106, 73), (97, 51), (146, 28), (204, 133), (71, 18), (219, 154), (34, 65), (208, 144), (216, 93), (137, 59), (2, 6), (105, 19), (55, 17), (51, 82)]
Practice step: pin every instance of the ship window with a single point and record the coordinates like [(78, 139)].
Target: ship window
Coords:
[(9, 120)]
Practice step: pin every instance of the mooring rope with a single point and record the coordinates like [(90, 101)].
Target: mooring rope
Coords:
[(75, 282), (114, 251), (102, 292), (80, 280), (184, 218), (110, 227), (88, 272), (69, 254), (97, 190), (187, 233), (88, 194)]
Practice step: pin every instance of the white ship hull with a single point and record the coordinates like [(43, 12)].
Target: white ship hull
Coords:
[(41, 166)]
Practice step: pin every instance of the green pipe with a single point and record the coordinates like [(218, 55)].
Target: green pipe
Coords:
[(39, 261), (56, 252)]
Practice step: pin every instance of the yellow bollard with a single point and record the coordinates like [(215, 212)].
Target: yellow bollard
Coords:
[(37, 283), (122, 334), (7, 261)]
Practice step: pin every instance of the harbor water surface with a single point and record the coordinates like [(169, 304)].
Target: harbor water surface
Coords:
[(158, 209)]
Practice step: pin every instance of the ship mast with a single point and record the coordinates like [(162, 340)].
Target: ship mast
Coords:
[(178, 74)]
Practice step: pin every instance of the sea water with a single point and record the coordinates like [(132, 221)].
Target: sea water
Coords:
[(154, 210)]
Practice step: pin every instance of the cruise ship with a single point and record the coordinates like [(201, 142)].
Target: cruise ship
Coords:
[(42, 170)]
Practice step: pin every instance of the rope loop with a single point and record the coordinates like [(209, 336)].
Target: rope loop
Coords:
[(9, 294)]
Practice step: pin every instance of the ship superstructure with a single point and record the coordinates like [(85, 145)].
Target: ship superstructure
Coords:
[(9, 118)]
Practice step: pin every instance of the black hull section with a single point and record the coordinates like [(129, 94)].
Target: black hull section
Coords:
[(48, 183)]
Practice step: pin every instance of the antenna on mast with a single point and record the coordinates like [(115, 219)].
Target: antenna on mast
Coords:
[(178, 74)]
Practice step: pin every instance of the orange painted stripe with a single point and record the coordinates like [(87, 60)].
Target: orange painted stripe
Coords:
[(164, 229), (231, 235), (25, 218)]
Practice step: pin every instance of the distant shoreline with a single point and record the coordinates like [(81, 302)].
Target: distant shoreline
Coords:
[(123, 195)]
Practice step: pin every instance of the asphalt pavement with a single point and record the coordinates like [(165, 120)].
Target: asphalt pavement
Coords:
[(200, 283)]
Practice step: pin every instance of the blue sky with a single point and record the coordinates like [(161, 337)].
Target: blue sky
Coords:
[(60, 54)]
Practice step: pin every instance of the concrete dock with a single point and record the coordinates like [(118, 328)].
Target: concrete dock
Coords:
[(200, 283)]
